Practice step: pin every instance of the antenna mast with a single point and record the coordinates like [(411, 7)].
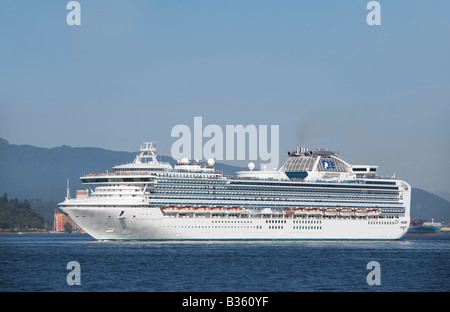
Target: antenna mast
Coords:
[(68, 190)]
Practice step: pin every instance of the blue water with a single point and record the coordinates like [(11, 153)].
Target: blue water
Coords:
[(37, 262)]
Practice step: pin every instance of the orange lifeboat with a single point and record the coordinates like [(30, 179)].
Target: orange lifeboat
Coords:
[(374, 213), (330, 212), (346, 212), (170, 209), (187, 210), (202, 210), (300, 211), (219, 210), (314, 212), (361, 213)]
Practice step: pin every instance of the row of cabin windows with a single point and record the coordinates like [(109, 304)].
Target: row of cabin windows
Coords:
[(296, 227), (381, 222), (214, 226)]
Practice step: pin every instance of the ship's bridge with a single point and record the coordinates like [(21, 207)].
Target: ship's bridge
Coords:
[(146, 160)]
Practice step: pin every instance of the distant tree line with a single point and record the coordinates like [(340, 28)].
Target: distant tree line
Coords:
[(17, 215), (46, 208)]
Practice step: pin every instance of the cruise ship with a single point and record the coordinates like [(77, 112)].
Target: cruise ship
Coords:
[(315, 195)]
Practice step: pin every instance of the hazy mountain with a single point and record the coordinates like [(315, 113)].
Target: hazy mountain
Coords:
[(443, 195), (40, 174), (425, 205), (32, 172)]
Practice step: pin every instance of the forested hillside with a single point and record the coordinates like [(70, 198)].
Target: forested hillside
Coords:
[(17, 215)]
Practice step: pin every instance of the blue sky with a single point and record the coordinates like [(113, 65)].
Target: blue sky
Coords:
[(134, 69)]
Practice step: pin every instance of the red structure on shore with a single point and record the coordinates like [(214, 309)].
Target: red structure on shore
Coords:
[(61, 219)]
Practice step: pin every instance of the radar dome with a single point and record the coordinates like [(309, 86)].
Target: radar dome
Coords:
[(184, 160), (251, 166), (210, 161)]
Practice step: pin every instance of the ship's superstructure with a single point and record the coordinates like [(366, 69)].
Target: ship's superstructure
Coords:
[(314, 195)]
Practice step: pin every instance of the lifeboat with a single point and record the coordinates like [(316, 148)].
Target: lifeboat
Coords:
[(235, 210), (314, 212), (170, 209), (219, 210), (292, 211), (202, 210), (346, 212), (330, 212), (187, 210), (300, 211), (360, 213), (374, 213)]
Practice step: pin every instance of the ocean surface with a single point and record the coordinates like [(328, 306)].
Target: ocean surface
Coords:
[(38, 263)]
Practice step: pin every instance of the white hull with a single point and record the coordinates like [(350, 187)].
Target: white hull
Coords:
[(151, 224)]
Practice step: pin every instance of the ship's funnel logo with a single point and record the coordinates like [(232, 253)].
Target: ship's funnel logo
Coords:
[(328, 164)]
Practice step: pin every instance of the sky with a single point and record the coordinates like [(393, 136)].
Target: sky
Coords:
[(133, 70)]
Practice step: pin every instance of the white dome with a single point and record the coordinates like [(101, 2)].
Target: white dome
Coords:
[(184, 160), (211, 162), (251, 166)]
